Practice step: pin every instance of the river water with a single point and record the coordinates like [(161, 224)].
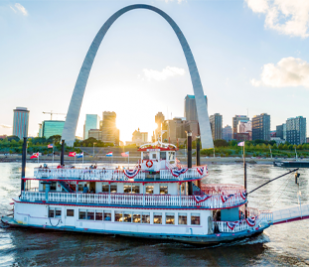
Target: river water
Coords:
[(284, 244)]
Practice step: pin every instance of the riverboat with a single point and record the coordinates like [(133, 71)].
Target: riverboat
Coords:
[(157, 199)]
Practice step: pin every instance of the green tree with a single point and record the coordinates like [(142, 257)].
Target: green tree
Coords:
[(220, 143)]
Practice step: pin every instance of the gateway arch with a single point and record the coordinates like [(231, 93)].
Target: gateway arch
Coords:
[(70, 125)]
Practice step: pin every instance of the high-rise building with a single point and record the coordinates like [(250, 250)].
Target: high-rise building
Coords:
[(261, 127), (174, 130), (235, 121), (190, 108), (40, 130), (216, 126), (110, 133), (244, 126), (193, 127), (21, 122), (91, 123), (144, 137), (227, 133), (95, 133), (281, 131), (296, 130), (159, 119), (50, 128)]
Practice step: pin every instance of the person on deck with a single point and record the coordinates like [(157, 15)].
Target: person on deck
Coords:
[(85, 189)]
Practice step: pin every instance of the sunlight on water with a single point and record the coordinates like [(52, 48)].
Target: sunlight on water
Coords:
[(285, 244)]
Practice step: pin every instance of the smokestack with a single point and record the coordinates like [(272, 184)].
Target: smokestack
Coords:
[(189, 160), (23, 164), (62, 153)]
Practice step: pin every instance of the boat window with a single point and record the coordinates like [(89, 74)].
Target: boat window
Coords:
[(149, 189), (127, 189), (70, 213), (90, 215), (51, 213), (154, 156), (171, 156), (163, 189), (58, 213), (146, 217), (82, 214), (136, 218), (113, 188), (163, 155), (195, 219), (107, 215), (127, 217), (118, 217), (105, 188), (135, 189), (169, 218), (145, 155), (53, 186), (98, 215), (157, 218), (182, 218)]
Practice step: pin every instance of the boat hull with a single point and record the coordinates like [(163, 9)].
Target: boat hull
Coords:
[(203, 240)]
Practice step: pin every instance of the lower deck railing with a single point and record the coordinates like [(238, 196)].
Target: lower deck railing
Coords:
[(215, 202), (262, 218)]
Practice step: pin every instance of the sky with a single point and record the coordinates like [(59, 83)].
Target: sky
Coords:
[(252, 57)]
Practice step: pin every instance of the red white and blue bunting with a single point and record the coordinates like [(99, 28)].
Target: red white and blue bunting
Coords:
[(131, 173), (177, 172), (200, 170), (232, 225), (251, 221), (201, 198), (243, 195), (225, 198)]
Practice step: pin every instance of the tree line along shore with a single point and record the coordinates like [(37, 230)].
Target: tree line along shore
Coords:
[(91, 146)]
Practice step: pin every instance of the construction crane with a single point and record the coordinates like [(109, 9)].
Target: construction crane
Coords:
[(51, 114)]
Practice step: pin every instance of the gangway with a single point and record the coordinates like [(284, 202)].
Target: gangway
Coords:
[(291, 214)]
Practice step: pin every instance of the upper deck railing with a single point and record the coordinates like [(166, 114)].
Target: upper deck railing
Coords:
[(112, 175), (153, 200)]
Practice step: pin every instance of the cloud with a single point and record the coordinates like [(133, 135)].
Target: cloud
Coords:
[(289, 71), (20, 8), (13, 9), (5, 126), (166, 73), (290, 17)]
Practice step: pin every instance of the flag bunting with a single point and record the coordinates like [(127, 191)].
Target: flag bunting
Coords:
[(201, 198), (243, 195), (200, 170), (177, 172), (225, 198), (131, 173)]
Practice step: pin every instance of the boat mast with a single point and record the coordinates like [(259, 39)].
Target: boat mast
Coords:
[(245, 174)]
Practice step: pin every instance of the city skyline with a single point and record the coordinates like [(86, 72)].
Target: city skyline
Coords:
[(230, 73)]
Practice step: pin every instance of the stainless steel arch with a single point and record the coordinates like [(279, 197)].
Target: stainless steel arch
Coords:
[(69, 130)]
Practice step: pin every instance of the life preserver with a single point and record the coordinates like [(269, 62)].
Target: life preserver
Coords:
[(149, 163)]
